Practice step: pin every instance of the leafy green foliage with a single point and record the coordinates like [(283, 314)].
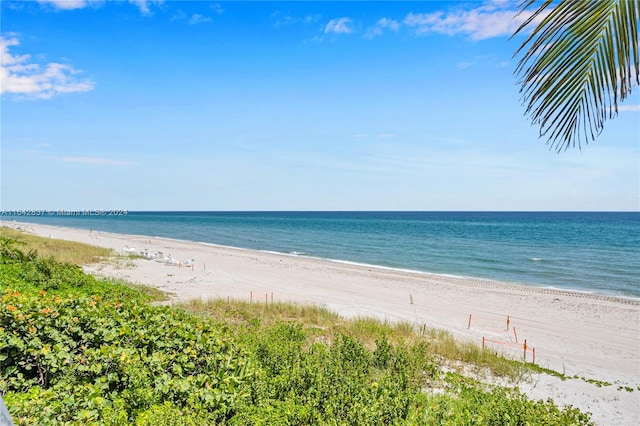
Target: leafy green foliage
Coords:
[(580, 61), (340, 383), (469, 404), (97, 352), (71, 356), (30, 274), (303, 382), (61, 250), (75, 350)]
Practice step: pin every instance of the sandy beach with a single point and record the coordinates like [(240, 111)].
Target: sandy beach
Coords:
[(595, 337)]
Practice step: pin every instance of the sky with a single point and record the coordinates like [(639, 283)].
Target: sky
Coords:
[(204, 105)]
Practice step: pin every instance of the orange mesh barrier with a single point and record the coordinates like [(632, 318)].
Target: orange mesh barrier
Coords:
[(524, 346)]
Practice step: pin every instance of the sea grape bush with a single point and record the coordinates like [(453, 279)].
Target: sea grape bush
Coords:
[(67, 355), (96, 353)]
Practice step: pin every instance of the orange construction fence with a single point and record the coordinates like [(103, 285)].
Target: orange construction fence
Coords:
[(525, 347)]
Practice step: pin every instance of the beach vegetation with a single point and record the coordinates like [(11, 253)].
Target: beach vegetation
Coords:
[(123, 262), (33, 274), (148, 293), (323, 325), (78, 350), (60, 250), (598, 383), (88, 351), (69, 251)]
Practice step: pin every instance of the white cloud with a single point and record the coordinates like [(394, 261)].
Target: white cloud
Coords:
[(386, 135), (65, 4), (35, 81), (217, 8), (198, 19), (282, 19), (315, 39), (178, 16), (492, 19), (389, 23), (195, 19), (380, 26), (143, 5), (634, 108), (95, 160), (339, 26), (309, 19)]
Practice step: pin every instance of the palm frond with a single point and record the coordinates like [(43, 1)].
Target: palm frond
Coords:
[(580, 61)]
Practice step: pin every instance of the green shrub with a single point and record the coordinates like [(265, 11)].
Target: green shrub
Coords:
[(30, 274), (76, 350), (68, 359), (313, 383), (469, 404)]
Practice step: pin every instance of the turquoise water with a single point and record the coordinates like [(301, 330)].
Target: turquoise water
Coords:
[(595, 252)]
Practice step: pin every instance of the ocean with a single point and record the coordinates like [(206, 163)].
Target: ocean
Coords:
[(582, 251)]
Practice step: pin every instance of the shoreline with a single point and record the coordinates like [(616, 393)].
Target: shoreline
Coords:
[(489, 282), (591, 336), (467, 280), (478, 281)]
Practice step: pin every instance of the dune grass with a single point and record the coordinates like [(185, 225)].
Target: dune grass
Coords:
[(323, 325), (61, 250), (49, 252), (150, 294)]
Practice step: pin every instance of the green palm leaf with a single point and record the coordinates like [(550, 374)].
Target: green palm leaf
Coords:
[(580, 61)]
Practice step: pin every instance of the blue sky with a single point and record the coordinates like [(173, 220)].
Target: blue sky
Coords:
[(176, 105)]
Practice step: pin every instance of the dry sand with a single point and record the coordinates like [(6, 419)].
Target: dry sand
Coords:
[(591, 336)]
